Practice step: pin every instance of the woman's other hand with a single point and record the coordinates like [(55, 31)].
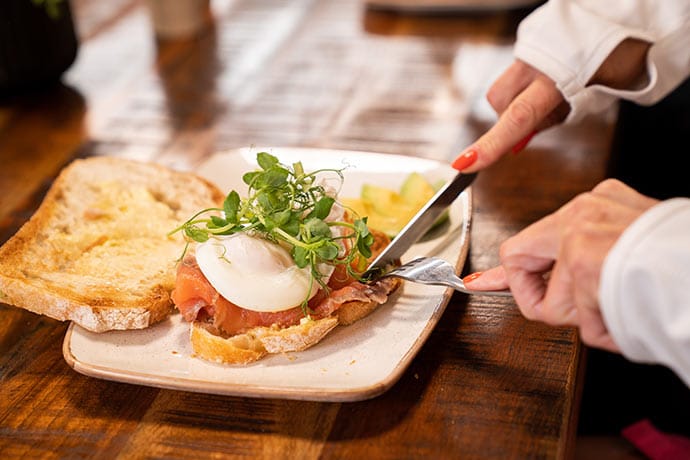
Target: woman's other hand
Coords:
[(553, 266)]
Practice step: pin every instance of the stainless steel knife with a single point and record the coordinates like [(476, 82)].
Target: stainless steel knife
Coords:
[(420, 223)]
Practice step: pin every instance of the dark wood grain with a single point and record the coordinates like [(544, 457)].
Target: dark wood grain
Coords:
[(487, 384)]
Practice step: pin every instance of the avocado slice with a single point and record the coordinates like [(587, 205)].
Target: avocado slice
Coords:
[(389, 210), (416, 190)]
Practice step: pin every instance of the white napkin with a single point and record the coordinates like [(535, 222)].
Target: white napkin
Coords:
[(475, 67)]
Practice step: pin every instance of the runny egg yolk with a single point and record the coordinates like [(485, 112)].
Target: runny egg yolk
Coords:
[(254, 273)]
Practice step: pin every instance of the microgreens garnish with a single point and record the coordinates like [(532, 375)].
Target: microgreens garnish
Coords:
[(287, 205)]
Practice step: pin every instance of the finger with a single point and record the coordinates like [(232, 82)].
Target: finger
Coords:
[(527, 257), (538, 241), (622, 194), (593, 330), (489, 280), (556, 116), (572, 293), (545, 237), (520, 118), (520, 146), (528, 289), (511, 83), (506, 88), (558, 307)]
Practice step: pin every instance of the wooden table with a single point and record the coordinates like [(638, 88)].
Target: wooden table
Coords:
[(487, 384)]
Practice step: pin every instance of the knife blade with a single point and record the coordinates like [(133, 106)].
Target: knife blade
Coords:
[(420, 223)]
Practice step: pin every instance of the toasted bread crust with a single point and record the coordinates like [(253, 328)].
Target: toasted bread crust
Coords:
[(253, 345), (97, 250)]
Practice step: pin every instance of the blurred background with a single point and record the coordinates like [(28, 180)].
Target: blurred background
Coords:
[(174, 81)]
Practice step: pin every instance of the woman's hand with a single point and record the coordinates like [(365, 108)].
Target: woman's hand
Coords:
[(553, 266), (527, 101)]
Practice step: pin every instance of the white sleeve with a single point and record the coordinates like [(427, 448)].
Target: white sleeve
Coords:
[(569, 39), (644, 292)]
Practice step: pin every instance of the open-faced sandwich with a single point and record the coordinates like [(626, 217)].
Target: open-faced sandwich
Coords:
[(277, 270), (272, 272)]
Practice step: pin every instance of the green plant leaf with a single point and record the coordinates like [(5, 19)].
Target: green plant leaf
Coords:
[(248, 178), (300, 256), (328, 251), (231, 205), (266, 160), (316, 229), (196, 234), (322, 208)]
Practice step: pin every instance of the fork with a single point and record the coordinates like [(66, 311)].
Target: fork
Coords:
[(433, 270)]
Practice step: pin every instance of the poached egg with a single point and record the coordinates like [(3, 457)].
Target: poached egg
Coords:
[(255, 273)]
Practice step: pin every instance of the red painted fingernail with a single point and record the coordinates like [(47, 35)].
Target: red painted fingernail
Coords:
[(472, 277), (519, 147), (465, 160)]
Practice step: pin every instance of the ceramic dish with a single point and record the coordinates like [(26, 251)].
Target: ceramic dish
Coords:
[(352, 363)]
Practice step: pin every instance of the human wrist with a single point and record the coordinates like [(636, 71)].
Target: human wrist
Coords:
[(625, 68)]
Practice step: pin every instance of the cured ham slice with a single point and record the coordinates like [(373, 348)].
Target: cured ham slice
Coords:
[(196, 298)]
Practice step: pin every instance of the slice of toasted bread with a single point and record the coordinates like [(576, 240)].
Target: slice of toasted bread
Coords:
[(97, 251), (208, 343), (212, 345)]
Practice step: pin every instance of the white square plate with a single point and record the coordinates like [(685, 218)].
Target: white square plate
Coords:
[(352, 363)]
